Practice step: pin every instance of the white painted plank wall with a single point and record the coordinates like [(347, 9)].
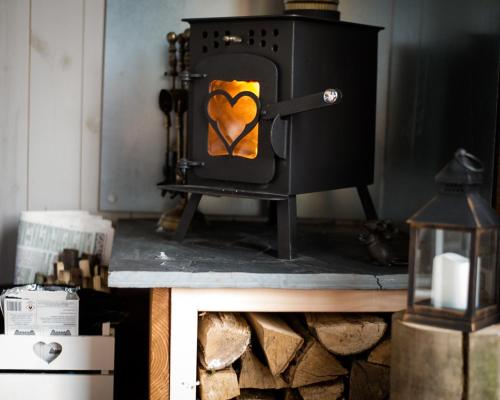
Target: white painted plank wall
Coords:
[(55, 104), (14, 89), (51, 55), (93, 54)]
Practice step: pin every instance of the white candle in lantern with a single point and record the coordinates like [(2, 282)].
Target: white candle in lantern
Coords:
[(450, 281)]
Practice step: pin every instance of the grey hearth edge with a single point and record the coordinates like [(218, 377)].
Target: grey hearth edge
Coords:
[(230, 254)]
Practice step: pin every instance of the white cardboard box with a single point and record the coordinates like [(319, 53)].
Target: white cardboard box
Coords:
[(36, 312), (91, 357)]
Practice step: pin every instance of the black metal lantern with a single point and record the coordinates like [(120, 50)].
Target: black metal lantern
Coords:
[(453, 269)]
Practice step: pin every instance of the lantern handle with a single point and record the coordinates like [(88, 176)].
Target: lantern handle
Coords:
[(469, 161)]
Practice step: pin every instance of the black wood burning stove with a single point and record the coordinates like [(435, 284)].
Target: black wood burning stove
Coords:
[(278, 106)]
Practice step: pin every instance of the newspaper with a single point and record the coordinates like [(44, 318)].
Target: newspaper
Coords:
[(43, 235)]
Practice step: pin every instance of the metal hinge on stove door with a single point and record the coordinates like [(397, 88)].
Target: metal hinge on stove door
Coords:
[(184, 164), (186, 77), (278, 111)]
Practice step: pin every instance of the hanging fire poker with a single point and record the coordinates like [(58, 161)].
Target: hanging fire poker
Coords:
[(175, 100)]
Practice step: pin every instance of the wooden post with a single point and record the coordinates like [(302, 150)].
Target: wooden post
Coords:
[(426, 362), (429, 363), (484, 364), (159, 340)]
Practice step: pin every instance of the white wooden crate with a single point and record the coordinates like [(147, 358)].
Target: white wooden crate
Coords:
[(56, 367)]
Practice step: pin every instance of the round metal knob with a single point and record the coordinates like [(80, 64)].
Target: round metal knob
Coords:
[(332, 96), (171, 37)]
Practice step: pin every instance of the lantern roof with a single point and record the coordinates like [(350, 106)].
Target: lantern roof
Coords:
[(464, 169), (458, 203), (468, 210)]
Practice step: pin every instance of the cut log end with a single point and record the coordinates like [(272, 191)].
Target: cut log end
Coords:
[(346, 334), (381, 354), (258, 395), (313, 365), (323, 391), (369, 381), (255, 375), (218, 385), (222, 339), (278, 341)]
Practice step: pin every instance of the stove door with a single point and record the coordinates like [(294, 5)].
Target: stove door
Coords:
[(226, 132)]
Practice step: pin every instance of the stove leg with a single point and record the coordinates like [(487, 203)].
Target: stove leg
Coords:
[(272, 212), (367, 203), (187, 216), (286, 215)]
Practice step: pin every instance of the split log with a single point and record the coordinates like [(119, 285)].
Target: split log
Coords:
[(426, 362), (222, 339), (84, 265), (218, 385), (76, 276), (346, 334), (257, 395), (323, 391), (65, 277), (313, 363), (96, 283), (278, 341), (255, 375), (369, 381), (381, 354)]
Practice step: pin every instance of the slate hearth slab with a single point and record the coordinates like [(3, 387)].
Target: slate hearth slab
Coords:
[(235, 254)]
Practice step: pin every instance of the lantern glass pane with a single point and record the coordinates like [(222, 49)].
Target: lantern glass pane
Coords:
[(442, 266), (487, 268)]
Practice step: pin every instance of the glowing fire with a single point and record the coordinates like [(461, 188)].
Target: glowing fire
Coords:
[(232, 119)]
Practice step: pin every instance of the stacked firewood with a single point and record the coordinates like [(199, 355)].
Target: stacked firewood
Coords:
[(311, 356), (86, 271)]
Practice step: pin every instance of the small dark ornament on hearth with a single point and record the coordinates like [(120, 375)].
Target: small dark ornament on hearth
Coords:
[(377, 238)]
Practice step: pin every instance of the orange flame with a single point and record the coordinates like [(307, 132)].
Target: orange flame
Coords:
[(232, 120)]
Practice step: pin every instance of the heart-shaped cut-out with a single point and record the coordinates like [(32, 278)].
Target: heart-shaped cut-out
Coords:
[(232, 118), (48, 352)]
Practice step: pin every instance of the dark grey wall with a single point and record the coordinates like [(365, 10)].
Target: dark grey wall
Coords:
[(443, 89)]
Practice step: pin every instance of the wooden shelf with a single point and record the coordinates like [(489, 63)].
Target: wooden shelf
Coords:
[(230, 266)]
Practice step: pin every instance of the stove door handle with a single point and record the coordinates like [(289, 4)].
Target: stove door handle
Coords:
[(314, 101)]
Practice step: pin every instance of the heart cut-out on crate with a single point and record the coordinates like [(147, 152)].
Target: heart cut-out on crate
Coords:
[(48, 352), (232, 118)]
